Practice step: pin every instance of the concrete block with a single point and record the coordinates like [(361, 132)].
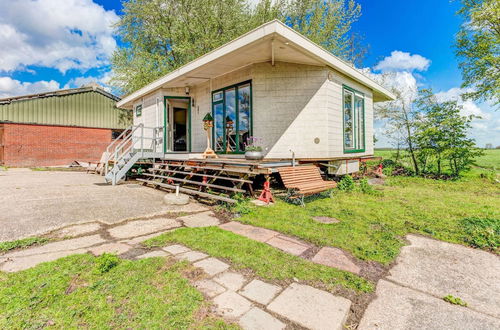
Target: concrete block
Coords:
[(191, 256), (336, 258), (176, 249), (212, 266), (260, 292), (204, 219), (231, 280), (209, 288), (311, 308), (257, 319), (115, 248), (142, 227), (231, 305)]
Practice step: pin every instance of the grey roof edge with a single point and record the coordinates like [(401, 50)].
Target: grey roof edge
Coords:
[(61, 92)]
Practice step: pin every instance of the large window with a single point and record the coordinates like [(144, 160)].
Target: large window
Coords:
[(354, 120), (232, 111)]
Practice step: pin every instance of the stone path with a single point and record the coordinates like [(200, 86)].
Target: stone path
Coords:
[(428, 270), (328, 256), (410, 297), (255, 304), (98, 237)]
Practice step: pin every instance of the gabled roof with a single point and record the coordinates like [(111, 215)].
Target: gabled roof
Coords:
[(61, 92), (271, 41)]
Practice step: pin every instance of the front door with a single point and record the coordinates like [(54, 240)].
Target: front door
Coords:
[(177, 124)]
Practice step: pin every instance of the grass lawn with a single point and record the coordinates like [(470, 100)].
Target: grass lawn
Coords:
[(372, 227), (72, 293), (265, 261), (22, 243)]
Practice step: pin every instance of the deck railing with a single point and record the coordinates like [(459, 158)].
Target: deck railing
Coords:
[(134, 139)]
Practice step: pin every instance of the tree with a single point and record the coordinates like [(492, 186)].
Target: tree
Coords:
[(441, 135), (401, 113), (478, 49), (159, 36)]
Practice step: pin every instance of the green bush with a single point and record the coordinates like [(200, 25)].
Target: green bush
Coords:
[(387, 171), (482, 232), (106, 262), (346, 184), (365, 187)]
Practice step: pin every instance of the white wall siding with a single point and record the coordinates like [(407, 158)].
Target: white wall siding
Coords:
[(295, 107), (289, 109), (335, 84)]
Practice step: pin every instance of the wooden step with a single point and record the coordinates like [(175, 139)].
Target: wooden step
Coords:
[(210, 168), (194, 182), (190, 191), (203, 175)]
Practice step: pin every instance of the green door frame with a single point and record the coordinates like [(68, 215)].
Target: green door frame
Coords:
[(165, 98), (236, 105)]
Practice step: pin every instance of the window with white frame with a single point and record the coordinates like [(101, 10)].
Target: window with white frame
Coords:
[(353, 120)]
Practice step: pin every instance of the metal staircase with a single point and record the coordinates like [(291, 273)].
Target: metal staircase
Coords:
[(125, 151)]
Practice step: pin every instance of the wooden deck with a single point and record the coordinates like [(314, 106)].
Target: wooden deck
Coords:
[(217, 179)]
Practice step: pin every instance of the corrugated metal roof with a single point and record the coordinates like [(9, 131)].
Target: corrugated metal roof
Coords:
[(61, 92), (84, 107)]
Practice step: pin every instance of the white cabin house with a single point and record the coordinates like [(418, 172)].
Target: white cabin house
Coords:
[(272, 83)]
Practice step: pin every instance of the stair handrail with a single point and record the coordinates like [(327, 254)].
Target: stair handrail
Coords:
[(114, 156)]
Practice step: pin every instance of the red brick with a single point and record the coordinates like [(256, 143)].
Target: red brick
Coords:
[(27, 145)]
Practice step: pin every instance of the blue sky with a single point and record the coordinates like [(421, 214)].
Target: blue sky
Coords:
[(44, 48)]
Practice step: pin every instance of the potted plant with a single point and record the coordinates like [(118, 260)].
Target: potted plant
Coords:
[(253, 149)]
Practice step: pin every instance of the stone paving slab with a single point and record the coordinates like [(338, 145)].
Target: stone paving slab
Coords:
[(209, 287), (311, 308), (397, 307), (176, 249), (256, 233), (336, 258), (212, 266), (153, 254), (204, 219), (191, 256), (191, 207), (143, 227), (231, 280), (76, 230), (287, 245), (141, 239), (231, 305), (257, 319), (260, 292), (441, 269), (73, 244), (115, 248), (22, 263)]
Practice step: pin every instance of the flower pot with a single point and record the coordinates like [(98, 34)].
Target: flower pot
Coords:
[(254, 155)]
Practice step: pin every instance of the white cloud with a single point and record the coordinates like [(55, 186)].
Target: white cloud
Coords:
[(69, 34), (469, 107), (403, 61), (10, 87)]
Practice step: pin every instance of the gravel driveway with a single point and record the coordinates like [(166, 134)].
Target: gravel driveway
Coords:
[(35, 202)]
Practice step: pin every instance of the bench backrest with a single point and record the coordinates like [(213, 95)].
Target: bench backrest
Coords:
[(293, 177)]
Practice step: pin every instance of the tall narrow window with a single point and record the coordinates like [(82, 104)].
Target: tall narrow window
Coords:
[(232, 111), (354, 121)]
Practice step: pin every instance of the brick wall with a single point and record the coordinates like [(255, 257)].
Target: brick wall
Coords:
[(40, 145)]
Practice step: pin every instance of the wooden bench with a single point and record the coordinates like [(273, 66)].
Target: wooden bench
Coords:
[(303, 181)]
